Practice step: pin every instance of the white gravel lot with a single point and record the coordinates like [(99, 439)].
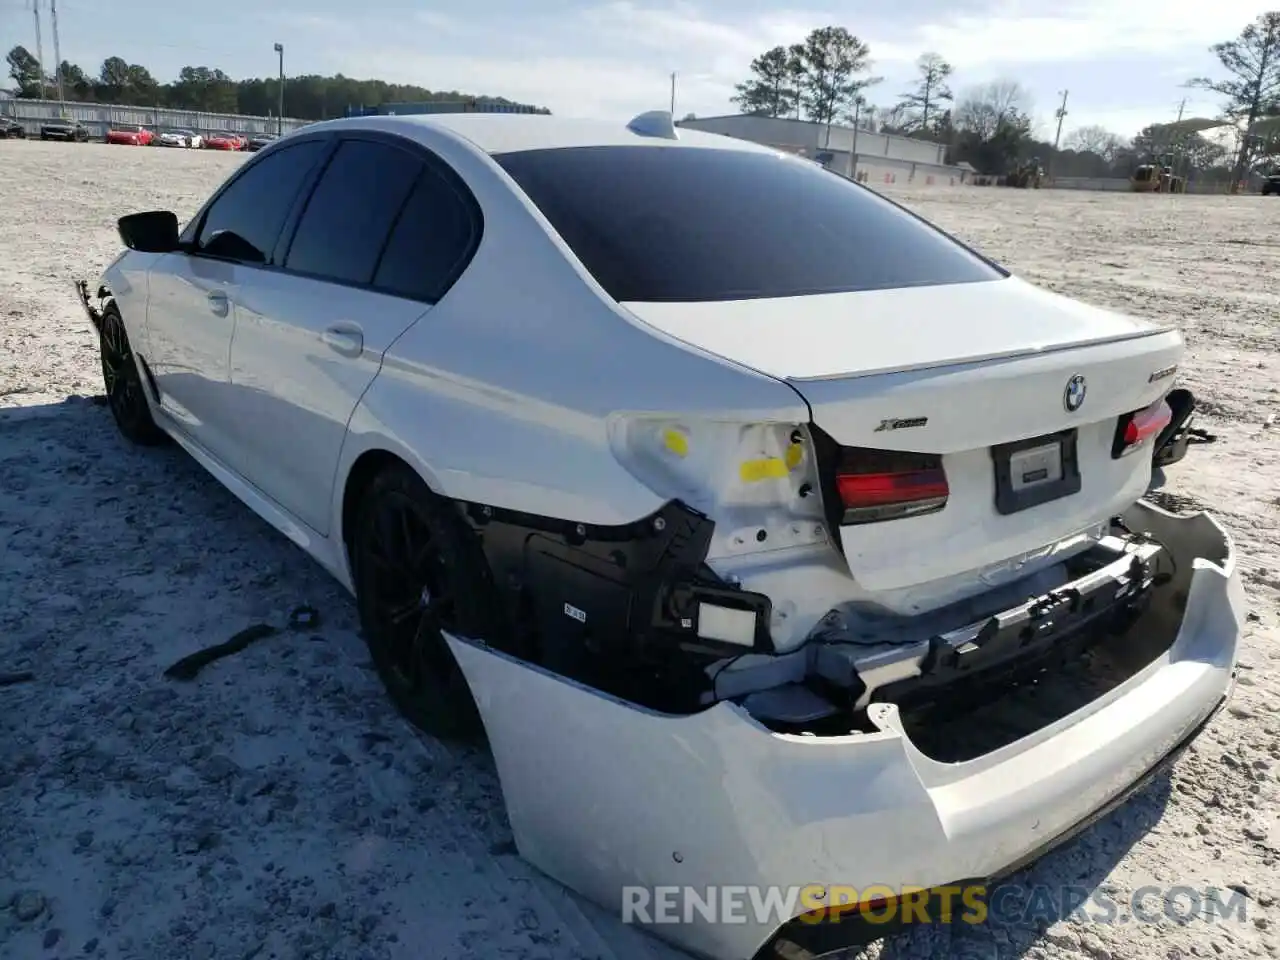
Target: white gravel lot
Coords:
[(277, 807)]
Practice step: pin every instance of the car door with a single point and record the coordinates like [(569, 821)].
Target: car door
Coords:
[(377, 243), (191, 310)]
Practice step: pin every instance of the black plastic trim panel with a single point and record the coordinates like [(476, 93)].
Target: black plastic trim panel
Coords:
[(615, 607), (1061, 625)]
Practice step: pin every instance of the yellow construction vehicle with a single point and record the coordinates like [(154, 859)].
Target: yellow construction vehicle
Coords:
[(1157, 177)]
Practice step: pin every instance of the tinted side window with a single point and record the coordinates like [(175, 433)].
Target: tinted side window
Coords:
[(431, 242), (245, 221), (674, 224), (352, 210)]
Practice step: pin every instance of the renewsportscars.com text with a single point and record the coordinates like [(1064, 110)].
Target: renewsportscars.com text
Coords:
[(1007, 904)]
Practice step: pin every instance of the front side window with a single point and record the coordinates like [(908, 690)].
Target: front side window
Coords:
[(677, 224), (245, 221)]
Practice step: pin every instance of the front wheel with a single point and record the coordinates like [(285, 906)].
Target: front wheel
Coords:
[(419, 571), (123, 383)]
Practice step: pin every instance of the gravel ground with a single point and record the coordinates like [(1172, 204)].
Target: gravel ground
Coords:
[(276, 806)]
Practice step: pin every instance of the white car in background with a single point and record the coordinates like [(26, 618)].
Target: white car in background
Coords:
[(734, 501), (180, 138)]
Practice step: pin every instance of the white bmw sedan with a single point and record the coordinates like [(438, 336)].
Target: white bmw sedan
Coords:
[(180, 138), (668, 459)]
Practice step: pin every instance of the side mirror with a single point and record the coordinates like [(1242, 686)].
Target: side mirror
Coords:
[(155, 231)]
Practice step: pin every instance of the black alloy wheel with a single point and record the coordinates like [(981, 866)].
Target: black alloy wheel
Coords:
[(123, 383), (419, 572)]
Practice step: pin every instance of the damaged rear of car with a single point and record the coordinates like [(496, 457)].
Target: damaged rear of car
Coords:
[(771, 794), (912, 641)]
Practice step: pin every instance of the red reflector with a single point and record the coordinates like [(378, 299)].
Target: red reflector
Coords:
[(1147, 423), (884, 489), (878, 485)]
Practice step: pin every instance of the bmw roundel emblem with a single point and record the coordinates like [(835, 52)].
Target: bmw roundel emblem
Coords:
[(1073, 395)]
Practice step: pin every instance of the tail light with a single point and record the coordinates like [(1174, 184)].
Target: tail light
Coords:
[(1135, 429), (877, 485)]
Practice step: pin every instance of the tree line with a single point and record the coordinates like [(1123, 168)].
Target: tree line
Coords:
[(826, 78), (210, 90)]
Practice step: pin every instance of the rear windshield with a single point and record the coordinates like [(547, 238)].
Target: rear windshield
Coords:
[(663, 224)]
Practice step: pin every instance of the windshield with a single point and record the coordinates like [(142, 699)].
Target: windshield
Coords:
[(656, 224)]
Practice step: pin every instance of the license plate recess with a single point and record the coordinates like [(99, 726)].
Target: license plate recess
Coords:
[(1035, 471)]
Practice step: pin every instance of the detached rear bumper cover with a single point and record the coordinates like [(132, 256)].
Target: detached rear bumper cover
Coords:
[(603, 795)]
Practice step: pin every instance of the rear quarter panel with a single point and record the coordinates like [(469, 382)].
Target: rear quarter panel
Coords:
[(501, 393)]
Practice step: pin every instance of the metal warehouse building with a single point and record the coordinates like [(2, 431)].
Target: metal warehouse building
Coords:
[(877, 157)]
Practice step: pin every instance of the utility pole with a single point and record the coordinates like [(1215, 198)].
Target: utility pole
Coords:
[(673, 96), (1060, 113), (57, 52), (35, 9), (280, 112), (1178, 153), (858, 101)]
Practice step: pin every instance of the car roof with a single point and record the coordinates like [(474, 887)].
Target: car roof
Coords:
[(512, 132)]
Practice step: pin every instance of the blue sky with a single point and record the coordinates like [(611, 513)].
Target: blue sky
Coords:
[(1122, 62)]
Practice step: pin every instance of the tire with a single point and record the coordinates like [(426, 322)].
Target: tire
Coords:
[(401, 524), (126, 395)]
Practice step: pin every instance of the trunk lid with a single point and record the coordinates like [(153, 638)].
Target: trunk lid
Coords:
[(964, 372), (876, 331)]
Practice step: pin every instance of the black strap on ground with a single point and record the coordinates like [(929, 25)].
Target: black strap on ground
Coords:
[(189, 666), (301, 618)]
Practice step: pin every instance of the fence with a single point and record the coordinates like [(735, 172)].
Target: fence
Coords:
[(100, 117), (1119, 184)]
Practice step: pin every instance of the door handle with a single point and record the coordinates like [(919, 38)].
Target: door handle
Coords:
[(344, 340), (219, 303)]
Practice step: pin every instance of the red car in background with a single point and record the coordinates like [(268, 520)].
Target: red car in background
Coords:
[(224, 141), (133, 136)]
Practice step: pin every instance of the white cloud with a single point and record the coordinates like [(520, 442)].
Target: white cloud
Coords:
[(615, 58), (1079, 30)]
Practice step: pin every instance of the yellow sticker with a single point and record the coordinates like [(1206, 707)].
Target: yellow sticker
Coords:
[(795, 453), (767, 468), (676, 442)]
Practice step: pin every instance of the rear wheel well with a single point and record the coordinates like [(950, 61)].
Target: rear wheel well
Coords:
[(367, 466)]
